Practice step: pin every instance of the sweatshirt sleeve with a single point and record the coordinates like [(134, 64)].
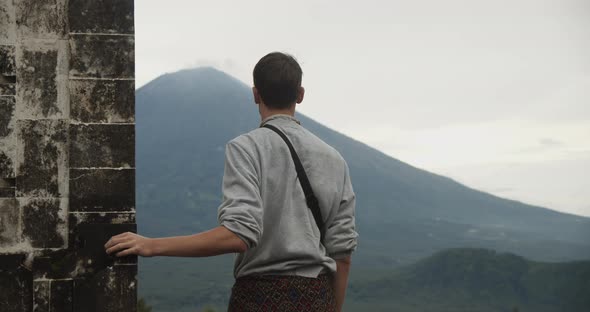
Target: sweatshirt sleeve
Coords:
[(241, 207), (341, 235)]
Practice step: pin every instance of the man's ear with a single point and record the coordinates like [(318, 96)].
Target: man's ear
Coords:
[(256, 95), (300, 95)]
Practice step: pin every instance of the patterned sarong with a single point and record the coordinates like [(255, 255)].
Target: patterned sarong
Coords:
[(283, 293)]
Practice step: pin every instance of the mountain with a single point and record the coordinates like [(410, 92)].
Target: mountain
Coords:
[(183, 121), (185, 118)]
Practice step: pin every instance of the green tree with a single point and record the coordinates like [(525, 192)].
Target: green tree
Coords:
[(208, 309), (142, 306)]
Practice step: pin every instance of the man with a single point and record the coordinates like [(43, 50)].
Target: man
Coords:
[(285, 262)]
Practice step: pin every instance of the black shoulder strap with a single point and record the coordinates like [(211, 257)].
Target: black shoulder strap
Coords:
[(310, 198)]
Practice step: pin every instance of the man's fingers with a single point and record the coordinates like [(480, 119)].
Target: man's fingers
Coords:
[(123, 234), (126, 252), (116, 239), (111, 242), (119, 246)]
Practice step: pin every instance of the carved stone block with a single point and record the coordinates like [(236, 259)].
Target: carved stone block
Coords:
[(102, 190), (41, 18), (7, 142), (45, 221), (102, 56), (108, 101), (9, 215), (42, 158), (112, 289), (102, 145), (101, 16), (41, 80), (16, 283)]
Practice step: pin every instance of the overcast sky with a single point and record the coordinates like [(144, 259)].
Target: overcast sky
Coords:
[(494, 94)]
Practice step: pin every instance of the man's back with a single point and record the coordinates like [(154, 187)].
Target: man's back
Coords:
[(265, 205)]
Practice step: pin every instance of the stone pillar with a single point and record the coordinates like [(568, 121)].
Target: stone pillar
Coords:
[(67, 154)]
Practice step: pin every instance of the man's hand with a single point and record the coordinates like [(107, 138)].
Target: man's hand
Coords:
[(129, 243)]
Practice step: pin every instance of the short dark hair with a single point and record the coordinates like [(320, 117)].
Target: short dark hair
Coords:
[(277, 77)]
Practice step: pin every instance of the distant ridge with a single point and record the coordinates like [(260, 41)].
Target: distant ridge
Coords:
[(479, 280)]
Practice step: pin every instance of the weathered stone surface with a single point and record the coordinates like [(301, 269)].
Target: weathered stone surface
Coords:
[(9, 215), (7, 143), (54, 264), (85, 255), (40, 77), (53, 296), (113, 289), (41, 18), (11, 262), (90, 239), (76, 218), (7, 22), (102, 56), (108, 101), (45, 221), (102, 190), (7, 70), (7, 187), (102, 145), (42, 158), (7, 106), (101, 16), (64, 267), (6, 161), (62, 296), (7, 67), (41, 295), (7, 89), (90, 231), (16, 283)]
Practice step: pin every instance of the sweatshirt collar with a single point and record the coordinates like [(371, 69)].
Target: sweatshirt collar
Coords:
[(279, 116)]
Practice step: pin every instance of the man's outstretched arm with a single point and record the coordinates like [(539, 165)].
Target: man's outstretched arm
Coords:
[(214, 242), (341, 281), (240, 219)]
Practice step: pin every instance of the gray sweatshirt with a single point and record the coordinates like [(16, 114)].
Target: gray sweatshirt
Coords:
[(263, 202)]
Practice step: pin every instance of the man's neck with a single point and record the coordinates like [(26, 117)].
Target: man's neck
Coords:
[(270, 112)]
